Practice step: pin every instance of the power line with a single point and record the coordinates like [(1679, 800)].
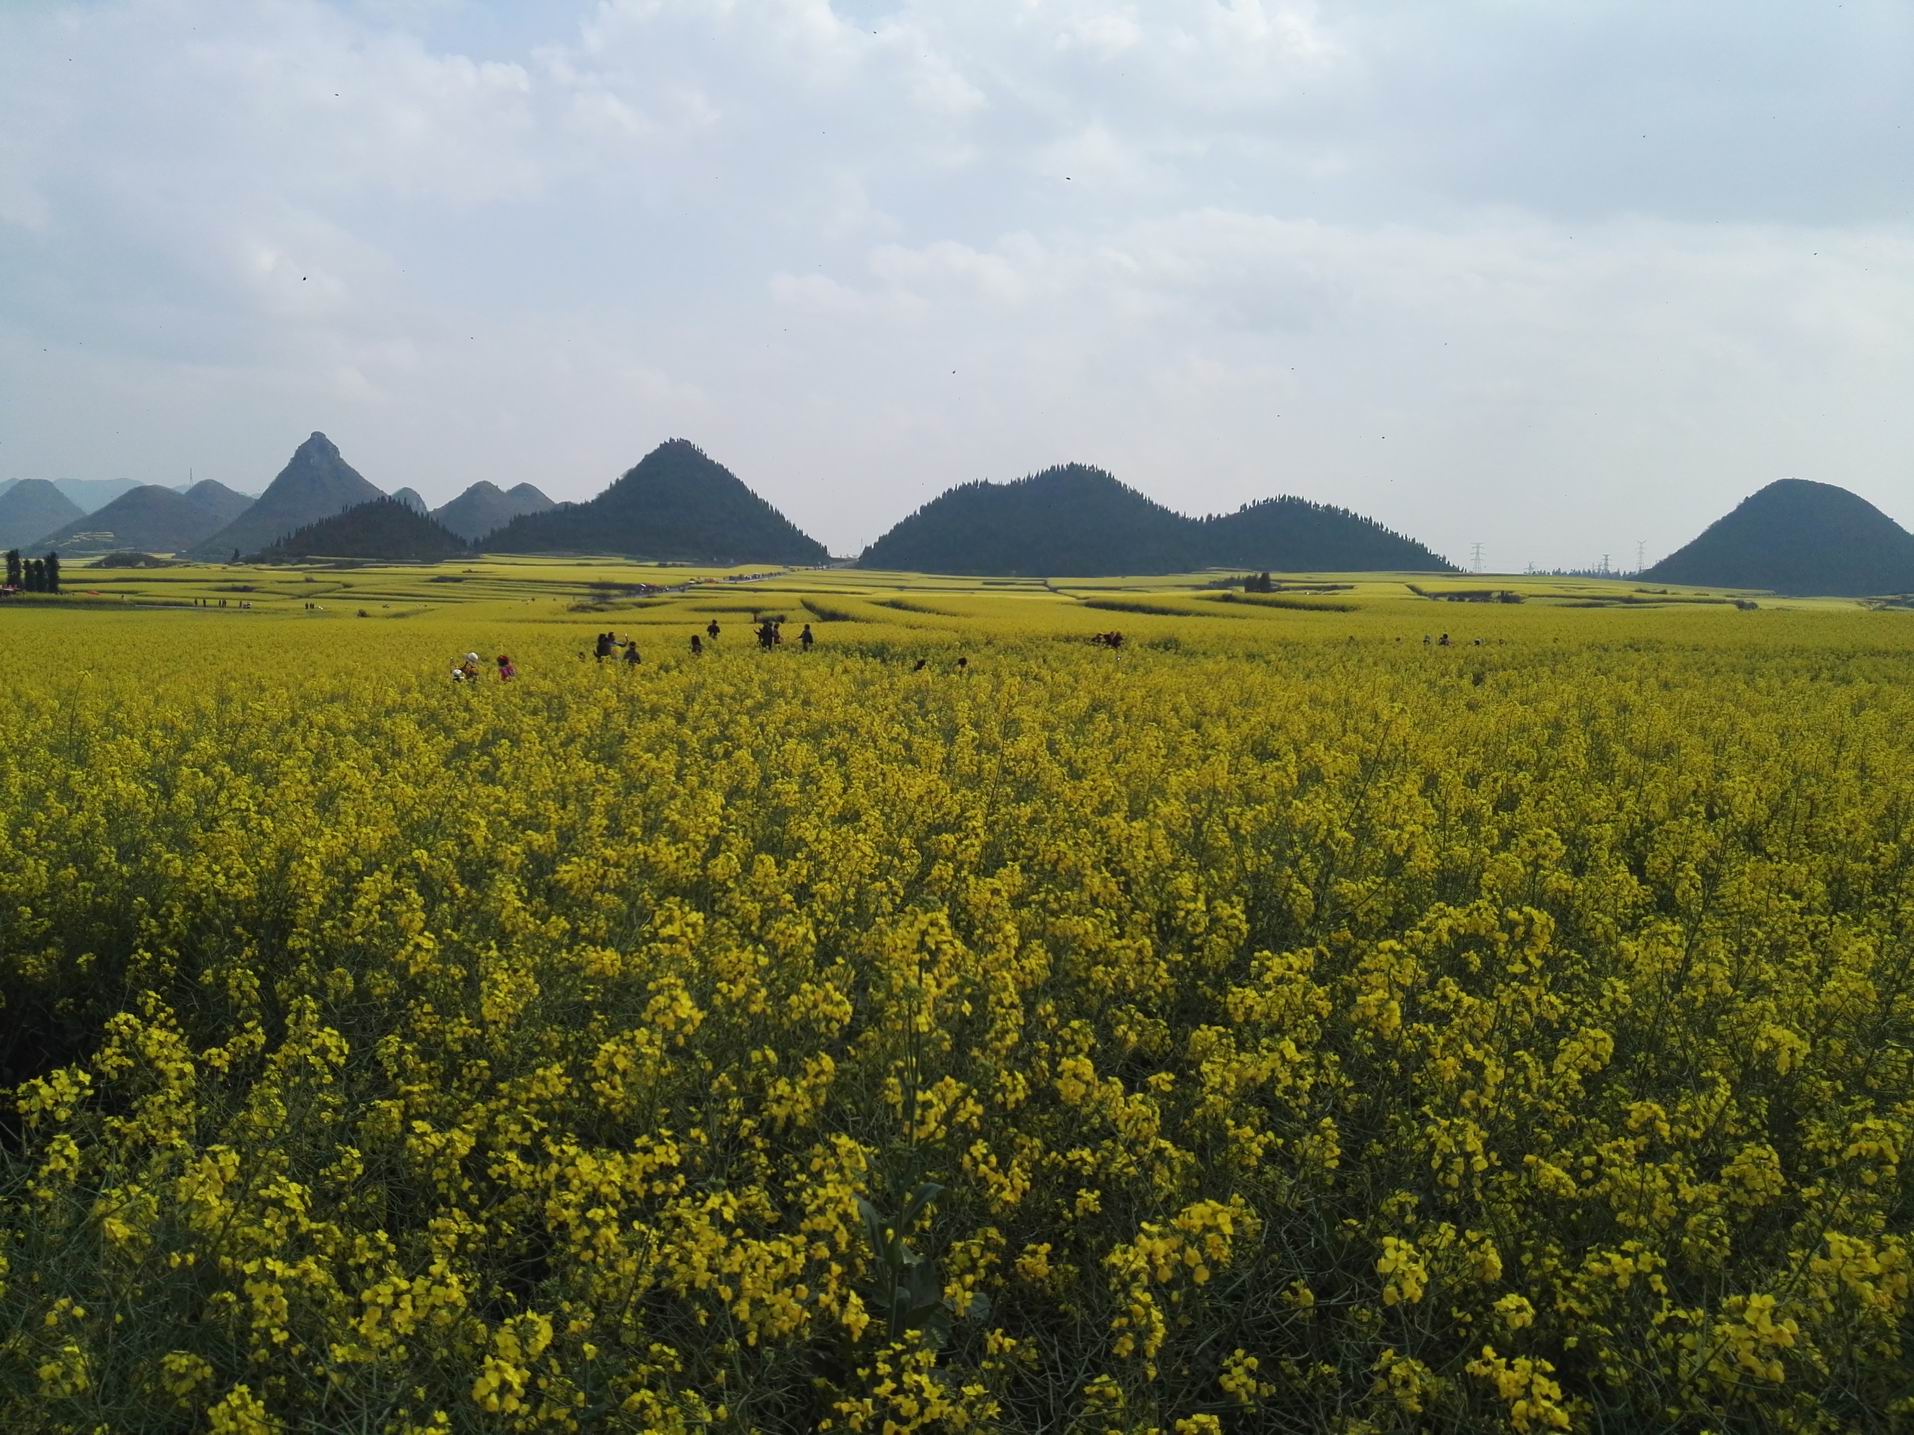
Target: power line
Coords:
[(1475, 556)]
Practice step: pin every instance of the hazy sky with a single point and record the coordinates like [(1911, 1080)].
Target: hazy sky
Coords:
[(1553, 277)]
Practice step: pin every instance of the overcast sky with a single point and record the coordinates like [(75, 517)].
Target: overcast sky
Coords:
[(1554, 277)]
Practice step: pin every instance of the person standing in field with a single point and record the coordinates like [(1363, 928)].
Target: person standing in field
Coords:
[(631, 655), (506, 670), (805, 639), (711, 630), (605, 644), (697, 647), (467, 671)]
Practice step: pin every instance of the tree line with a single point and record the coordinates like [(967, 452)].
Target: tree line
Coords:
[(33, 575)]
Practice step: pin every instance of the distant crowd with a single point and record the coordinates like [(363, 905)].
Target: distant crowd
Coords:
[(608, 645), (769, 633)]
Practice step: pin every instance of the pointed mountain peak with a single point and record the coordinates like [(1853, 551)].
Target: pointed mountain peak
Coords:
[(316, 483), (677, 504)]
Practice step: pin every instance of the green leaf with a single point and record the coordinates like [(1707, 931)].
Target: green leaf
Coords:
[(919, 1199), (936, 1326), (874, 1231)]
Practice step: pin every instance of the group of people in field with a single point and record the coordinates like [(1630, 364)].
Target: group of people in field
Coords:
[(468, 669), (608, 646), (770, 634)]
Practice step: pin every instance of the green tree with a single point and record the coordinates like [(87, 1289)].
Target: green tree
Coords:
[(53, 573), (14, 575), (36, 576)]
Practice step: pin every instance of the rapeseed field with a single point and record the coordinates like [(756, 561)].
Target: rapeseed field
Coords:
[(1277, 1023)]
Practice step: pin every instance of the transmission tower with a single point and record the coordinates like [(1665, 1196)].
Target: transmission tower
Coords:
[(1641, 554), (1475, 556)]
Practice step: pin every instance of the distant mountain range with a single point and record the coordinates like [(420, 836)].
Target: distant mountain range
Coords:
[(1079, 521), (677, 505), (485, 506), (151, 518), (1798, 537), (383, 528), (680, 505), (315, 484)]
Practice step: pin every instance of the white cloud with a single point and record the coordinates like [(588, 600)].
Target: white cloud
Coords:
[(819, 294), (668, 401), (1097, 158), (1010, 273), (1104, 35)]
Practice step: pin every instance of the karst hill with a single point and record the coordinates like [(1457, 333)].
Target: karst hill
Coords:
[(1798, 537), (385, 528), (152, 518), (88, 495), (1293, 535), (1079, 521), (32, 508), (677, 505), (485, 507), (315, 484), (218, 499), (1072, 519)]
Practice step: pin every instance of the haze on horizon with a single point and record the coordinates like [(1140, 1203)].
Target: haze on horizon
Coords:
[(1554, 278)]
